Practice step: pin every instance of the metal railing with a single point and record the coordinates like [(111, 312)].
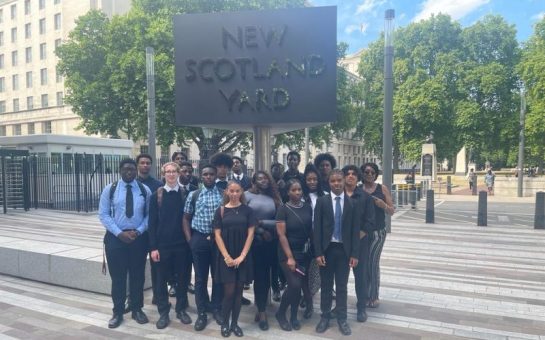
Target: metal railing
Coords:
[(407, 196)]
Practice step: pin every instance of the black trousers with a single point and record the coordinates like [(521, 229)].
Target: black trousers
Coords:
[(172, 259), (127, 259), (336, 270), (361, 274), (265, 258)]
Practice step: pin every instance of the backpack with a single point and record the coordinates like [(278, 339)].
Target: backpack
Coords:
[(114, 187)]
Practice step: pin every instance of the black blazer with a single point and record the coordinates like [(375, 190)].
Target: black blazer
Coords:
[(324, 223), (365, 204), (245, 182)]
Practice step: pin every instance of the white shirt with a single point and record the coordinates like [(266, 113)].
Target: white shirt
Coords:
[(238, 177), (169, 189), (334, 202)]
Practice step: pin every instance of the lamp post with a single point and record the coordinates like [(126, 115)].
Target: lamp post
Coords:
[(389, 16), (521, 143), (207, 133), (150, 77)]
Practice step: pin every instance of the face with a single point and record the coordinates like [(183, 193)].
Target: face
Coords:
[(128, 172), (237, 166), (325, 168), (293, 162), (171, 174), (144, 166), (179, 158), (185, 174), (295, 192), (222, 171), (336, 183), (351, 178), (312, 181), (262, 182), (234, 191), (208, 177), (277, 171), (369, 174)]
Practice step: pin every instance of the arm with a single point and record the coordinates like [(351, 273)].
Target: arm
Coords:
[(153, 223), (281, 230), (246, 248), (144, 224), (104, 210), (355, 237), (317, 233), (188, 214), (389, 209), (221, 247)]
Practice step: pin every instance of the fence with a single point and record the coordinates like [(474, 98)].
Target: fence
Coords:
[(408, 195)]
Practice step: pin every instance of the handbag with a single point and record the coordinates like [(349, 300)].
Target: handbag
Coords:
[(307, 248)]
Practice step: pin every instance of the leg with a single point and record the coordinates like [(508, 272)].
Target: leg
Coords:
[(326, 279), (261, 277), (376, 245), (161, 290), (117, 255), (228, 301), (342, 271), (217, 287), (180, 263), (201, 259), (237, 303), (360, 274), (138, 251)]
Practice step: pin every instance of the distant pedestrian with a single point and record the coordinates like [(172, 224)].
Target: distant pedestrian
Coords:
[(489, 180), (471, 178)]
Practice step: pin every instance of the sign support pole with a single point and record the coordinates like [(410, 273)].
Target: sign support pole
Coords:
[(262, 148)]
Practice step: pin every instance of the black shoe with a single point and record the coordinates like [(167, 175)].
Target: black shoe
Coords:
[(308, 311), (172, 291), (191, 288), (218, 317), (201, 322), (237, 330), (163, 321), (225, 331), (263, 325), (362, 316), (323, 325), (245, 301), (344, 328), (295, 324), (184, 317), (140, 317), (282, 322), (276, 296), (115, 321)]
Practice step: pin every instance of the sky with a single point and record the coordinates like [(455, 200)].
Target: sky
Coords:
[(360, 22)]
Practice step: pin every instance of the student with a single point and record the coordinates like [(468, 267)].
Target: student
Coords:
[(238, 175), (223, 162), (293, 159), (325, 162), (169, 248), (336, 245)]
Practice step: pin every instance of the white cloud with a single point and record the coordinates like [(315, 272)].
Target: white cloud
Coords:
[(538, 16), (456, 9), (352, 28), (368, 6)]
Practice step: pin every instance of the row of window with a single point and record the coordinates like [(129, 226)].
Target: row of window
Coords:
[(31, 129), (28, 80), (44, 101), (351, 149), (28, 8), (28, 54), (28, 29)]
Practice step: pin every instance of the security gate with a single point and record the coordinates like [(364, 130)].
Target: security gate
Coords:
[(14, 179)]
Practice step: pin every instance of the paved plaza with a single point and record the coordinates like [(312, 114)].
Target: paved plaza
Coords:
[(440, 281)]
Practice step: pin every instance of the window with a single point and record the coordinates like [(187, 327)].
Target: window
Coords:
[(58, 75), (17, 129), (42, 26), (29, 79), (43, 76), (29, 103), (1, 38), (2, 84), (14, 58), (2, 110), (57, 21), (14, 35), (46, 127), (45, 102), (1, 61), (60, 99), (42, 4), (30, 128), (144, 148), (15, 104), (15, 82), (43, 53), (58, 43), (1, 16), (27, 7), (28, 55), (13, 11), (28, 31), (56, 2), (2, 129)]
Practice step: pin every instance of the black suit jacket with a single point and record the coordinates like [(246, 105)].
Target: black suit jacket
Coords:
[(324, 223), (245, 182), (366, 206)]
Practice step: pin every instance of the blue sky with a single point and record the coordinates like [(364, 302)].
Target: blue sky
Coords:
[(361, 21)]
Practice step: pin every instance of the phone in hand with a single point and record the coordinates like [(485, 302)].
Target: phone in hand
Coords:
[(301, 270)]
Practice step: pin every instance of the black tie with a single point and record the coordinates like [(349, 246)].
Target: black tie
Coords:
[(129, 208), (238, 178)]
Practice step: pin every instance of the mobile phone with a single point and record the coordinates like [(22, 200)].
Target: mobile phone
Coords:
[(300, 269)]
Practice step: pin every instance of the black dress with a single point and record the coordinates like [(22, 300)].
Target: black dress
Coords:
[(298, 231), (234, 232)]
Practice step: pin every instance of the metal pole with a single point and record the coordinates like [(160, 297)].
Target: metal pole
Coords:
[(262, 148), (521, 144), (539, 218), (307, 145), (389, 16), (482, 216), (430, 207), (150, 76), (4, 185)]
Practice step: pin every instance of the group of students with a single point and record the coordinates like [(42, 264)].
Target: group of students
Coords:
[(315, 226)]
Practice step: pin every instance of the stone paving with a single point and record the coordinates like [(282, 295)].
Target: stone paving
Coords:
[(441, 281)]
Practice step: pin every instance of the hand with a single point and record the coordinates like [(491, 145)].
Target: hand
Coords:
[(133, 234), (353, 262), (155, 256), (239, 260), (321, 261), (380, 203), (229, 261), (267, 236), (291, 264), (126, 237)]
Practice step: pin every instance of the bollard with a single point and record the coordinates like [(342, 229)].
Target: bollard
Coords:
[(474, 189), (481, 215), (539, 219), (430, 213), (449, 185)]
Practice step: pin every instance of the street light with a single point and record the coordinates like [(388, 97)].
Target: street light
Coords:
[(208, 133), (389, 16)]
